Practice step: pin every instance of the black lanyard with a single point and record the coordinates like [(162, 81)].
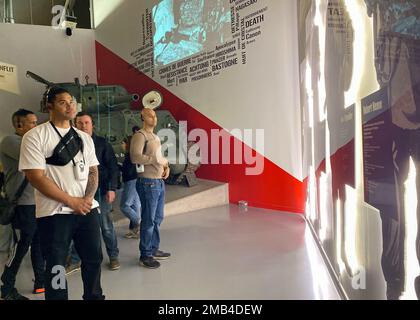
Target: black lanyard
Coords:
[(65, 144)]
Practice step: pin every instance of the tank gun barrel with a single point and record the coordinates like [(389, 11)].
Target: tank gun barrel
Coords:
[(36, 77), (115, 101), (109, 103)]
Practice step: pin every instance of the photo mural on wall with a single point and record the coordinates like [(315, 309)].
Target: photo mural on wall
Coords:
[(184, 28), (185, 41), (391, 120)]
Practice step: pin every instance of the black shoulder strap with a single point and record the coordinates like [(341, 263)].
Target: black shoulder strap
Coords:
[(71, 142), (146, 141), (70, 131), (19, 192)]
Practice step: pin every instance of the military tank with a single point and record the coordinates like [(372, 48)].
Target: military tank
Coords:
[(110, 107)]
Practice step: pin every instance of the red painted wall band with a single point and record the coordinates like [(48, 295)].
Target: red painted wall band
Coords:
[(273, 189)]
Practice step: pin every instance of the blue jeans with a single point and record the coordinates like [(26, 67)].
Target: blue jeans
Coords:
[(152, 198), (108, 232), (130, 203)]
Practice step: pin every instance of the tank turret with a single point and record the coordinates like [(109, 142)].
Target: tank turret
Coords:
[(110, 107)]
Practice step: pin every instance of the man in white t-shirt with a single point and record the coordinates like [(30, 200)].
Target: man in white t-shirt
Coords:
[(60, 162)]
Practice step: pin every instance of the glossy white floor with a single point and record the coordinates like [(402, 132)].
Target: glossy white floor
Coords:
[(219, 253)]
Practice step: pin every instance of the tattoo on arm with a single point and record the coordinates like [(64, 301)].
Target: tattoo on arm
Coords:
[(92, 184)]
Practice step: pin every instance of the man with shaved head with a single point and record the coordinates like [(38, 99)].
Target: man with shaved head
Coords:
[(152, 169)]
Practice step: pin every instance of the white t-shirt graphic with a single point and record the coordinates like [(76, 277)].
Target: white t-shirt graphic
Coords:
[(39, 144)]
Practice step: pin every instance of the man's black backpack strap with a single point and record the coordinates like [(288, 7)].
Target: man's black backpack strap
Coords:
[(7, 207), (19, 192), (145, 141)]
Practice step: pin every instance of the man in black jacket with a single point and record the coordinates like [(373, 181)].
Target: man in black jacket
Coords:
[(108, 183)]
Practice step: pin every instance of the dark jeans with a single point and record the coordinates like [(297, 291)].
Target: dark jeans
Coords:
[(406, 144), (152, 198), (108, 233), (56, 232), (25, 235)]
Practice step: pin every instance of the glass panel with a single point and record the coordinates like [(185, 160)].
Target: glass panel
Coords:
[(22, 11), (38, 12), (360, 89), (1, 10), (41, 12)]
